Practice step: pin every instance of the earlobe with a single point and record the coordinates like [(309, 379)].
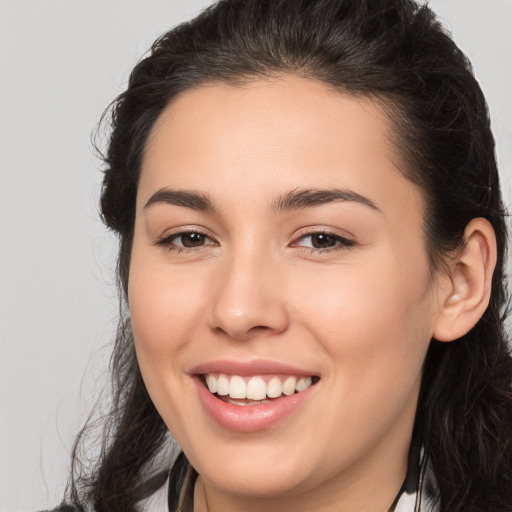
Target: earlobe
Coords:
[(467, 286)]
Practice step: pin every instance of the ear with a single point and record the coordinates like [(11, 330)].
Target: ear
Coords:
[(465, 290)]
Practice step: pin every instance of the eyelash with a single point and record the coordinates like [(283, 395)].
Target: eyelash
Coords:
[(341, 243), (168, 241)]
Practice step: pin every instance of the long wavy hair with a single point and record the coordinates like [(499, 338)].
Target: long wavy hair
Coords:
[(392, 50)]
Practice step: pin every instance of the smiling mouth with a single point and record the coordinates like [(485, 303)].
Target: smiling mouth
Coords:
[(257, 389)]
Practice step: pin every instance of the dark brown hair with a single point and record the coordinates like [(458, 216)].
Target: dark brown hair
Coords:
[(398, 52)]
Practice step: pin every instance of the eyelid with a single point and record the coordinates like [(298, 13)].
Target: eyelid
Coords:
[(167, 240), (344, 241)]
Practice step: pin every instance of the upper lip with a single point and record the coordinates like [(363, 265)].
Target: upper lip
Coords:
[(247, 368)]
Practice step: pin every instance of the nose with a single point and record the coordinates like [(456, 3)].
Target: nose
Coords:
[(248, 298)]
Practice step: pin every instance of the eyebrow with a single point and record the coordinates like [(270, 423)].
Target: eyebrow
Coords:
[(186, 198), (294, 200), (300, 198)]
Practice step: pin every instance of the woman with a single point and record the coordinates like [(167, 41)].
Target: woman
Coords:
[(311, 259)]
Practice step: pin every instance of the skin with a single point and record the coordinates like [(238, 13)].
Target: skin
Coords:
[(359, 316)]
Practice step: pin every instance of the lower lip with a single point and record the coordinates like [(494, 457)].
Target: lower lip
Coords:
[(250, 418)]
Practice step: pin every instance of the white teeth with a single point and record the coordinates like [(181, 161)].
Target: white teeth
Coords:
[(274, 388), (249, 404), (222, 385), (289, 386), (303, 384), (255, 388), (211, 382), (237, 387)]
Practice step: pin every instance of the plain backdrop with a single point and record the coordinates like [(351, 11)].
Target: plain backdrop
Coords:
[(61, 63)]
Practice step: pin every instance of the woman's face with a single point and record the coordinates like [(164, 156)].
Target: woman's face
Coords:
[(277, 244)]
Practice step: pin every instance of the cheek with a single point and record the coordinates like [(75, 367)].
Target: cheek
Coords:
[(375, 330), (151, 315), (164, 308), (164, 311), (375, 324), (164, 305)]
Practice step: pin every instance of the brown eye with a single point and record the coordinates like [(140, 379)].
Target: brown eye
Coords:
[(191, 239), (323, 241), (186, 240)]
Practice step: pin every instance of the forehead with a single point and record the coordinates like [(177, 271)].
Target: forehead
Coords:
[(271, 135)]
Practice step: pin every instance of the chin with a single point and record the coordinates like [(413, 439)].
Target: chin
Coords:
[(259, 482), (252, 469)]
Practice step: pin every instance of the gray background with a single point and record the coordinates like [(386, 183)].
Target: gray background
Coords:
[(61, 63)]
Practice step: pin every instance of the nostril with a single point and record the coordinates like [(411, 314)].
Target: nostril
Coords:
[(258, 328), (242, 333)]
